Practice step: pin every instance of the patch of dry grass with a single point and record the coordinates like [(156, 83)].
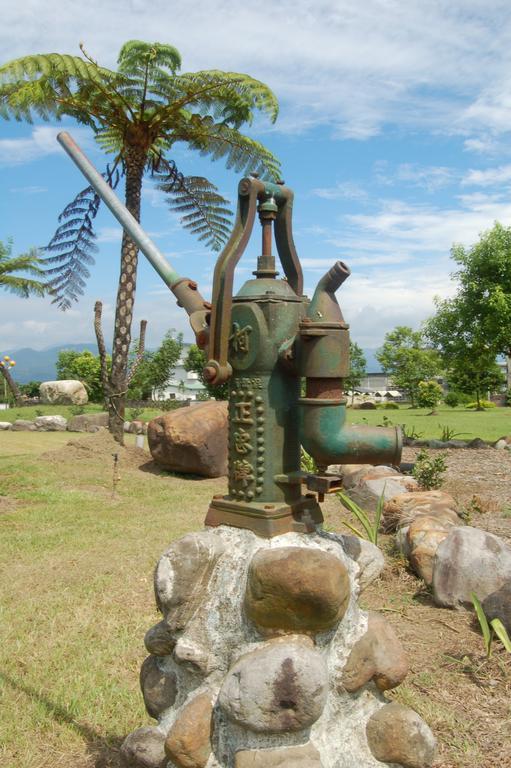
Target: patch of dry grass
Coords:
[(77, 568)]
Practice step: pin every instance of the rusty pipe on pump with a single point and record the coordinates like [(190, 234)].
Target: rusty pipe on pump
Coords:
[(323, 354), (184, 289)]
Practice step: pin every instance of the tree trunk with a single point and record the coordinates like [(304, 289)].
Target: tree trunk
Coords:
[(11, 384), (135, 161)]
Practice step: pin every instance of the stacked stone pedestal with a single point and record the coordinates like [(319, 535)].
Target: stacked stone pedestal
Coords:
[(263, 658)]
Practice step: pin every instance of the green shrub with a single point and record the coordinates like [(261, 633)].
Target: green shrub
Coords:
[(452, 399), (428, 471), (482, 404), (390, 406)]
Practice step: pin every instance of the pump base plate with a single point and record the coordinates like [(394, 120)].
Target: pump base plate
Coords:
[(264, 518)]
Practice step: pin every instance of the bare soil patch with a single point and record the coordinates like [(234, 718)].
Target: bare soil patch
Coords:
[(480, 481)]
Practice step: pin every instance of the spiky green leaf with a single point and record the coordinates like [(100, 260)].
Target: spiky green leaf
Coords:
[(203, 210)]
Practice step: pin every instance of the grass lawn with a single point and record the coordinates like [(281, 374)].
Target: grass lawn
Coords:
[(76, 565), (31, 412), (467, 424)]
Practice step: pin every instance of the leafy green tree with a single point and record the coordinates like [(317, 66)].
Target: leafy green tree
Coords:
[(485, 287), (83, 366), (137, 114), (30, 389), (358, 364), (429, 394), (155, 369), (195, 361), (467, 356), (476, 381), (406, 356), (28, 263)]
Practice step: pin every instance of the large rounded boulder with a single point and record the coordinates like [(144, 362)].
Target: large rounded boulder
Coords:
[(65, 392), (191, 440)]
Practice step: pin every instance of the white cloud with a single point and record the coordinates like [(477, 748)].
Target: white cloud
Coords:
[(347, 190), (30, 190), (41, 143), (109, 235), (353, 66), (488, 177)]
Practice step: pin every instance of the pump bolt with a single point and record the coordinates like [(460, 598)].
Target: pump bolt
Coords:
[(209, 373)]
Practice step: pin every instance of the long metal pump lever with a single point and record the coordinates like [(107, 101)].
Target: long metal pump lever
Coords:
[(184, 289)]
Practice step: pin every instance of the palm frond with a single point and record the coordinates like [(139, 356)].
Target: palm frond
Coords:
[(203, 210), (38, 84), (234, 91), (29, 263), (240, 152), (71, 249), (136, 54)]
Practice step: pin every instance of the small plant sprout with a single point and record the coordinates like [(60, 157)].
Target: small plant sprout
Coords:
[(428, 471), (370, 528), (410, 432), (495, 626), (448, 433)]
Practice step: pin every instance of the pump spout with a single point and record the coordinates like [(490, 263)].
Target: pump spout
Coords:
[(323, 349), (324, 306), (327, 438)]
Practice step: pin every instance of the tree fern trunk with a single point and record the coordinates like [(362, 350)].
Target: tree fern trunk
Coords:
[(135, 161)]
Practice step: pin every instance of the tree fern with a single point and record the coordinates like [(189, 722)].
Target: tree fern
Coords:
[(71, 249), (240, 152), (203, 209)]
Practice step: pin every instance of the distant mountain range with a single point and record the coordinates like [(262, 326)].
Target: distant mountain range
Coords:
[(39, 364)]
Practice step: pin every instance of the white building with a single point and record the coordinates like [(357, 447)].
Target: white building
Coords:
[(184, 385)]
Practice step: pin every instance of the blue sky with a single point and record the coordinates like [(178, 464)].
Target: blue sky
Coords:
[(394, 132)]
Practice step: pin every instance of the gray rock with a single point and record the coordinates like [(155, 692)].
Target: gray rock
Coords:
[(397, 734), (469, 560), (424, 537), (51, 423), (88, 422), (498, 606), (160, 640), (182, 574), (281, 686), (456, 444), (373, 485), (303, 756), (159, 688), (477, 442), (137, 427), (377, 656), (65, 392), (437, 444), (144, 748), (23, 425), (368, 557), (4, 425)]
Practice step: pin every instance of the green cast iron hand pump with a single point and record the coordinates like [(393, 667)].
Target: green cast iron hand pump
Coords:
[(265, 341)]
